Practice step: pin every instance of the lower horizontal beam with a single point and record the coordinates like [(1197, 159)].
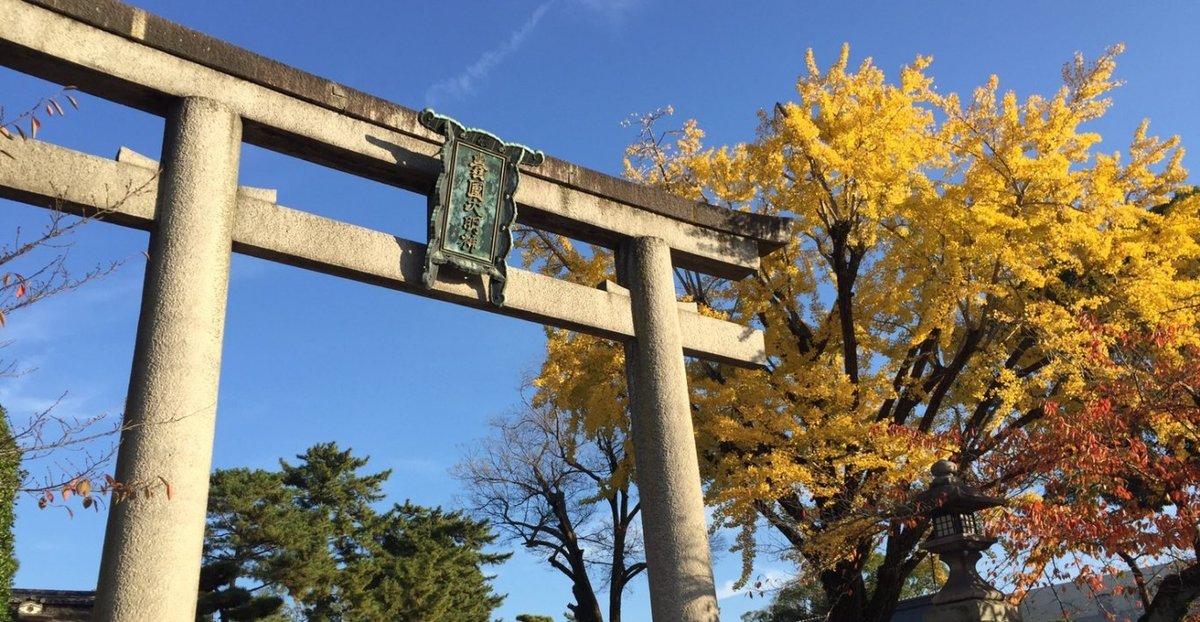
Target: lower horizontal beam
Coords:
[(49, 176)]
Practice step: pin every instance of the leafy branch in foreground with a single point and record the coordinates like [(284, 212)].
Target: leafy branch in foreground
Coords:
[(51, 105)]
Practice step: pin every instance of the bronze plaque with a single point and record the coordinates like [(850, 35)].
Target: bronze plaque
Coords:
[(471, 211)]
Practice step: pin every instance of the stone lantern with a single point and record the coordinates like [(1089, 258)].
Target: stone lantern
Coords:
[(958, 539)]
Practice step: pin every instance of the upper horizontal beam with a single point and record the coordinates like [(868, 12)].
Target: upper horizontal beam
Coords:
[(122, 53), (46, 175)]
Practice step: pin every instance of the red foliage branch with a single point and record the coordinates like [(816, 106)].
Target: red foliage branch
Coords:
[(1114, 476)]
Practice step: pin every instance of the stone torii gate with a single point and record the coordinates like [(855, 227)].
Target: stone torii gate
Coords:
[(215, 96)]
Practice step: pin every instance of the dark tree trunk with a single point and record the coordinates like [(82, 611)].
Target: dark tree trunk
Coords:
[(1175, 595), (585, 608), (898, 564), (616, 582), (846, 592)]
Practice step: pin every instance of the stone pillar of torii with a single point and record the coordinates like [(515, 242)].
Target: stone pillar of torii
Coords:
[(214, 97), (171, 409)]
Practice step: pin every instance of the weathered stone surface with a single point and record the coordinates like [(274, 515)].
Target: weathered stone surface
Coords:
[(974, 610), (678, 561), (124, 54), (150, 567), (129, 156), (128, 21)]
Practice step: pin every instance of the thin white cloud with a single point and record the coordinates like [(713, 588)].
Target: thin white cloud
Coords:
[(463, 84), (611, 9)]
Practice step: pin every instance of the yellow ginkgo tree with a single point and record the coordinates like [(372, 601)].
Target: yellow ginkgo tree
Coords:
[(946, 253)]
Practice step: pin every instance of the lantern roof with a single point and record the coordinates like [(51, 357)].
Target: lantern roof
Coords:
[(948, 494)]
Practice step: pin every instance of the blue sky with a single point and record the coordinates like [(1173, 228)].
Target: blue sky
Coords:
[(412, 382)]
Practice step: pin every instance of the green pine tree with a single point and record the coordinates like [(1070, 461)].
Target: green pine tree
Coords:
[(310, 533), (430, 567), (250, 517)]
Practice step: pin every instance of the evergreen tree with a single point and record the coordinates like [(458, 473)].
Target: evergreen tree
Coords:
[(310, 532), (328, 565), (429, 567), (251, 519)]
